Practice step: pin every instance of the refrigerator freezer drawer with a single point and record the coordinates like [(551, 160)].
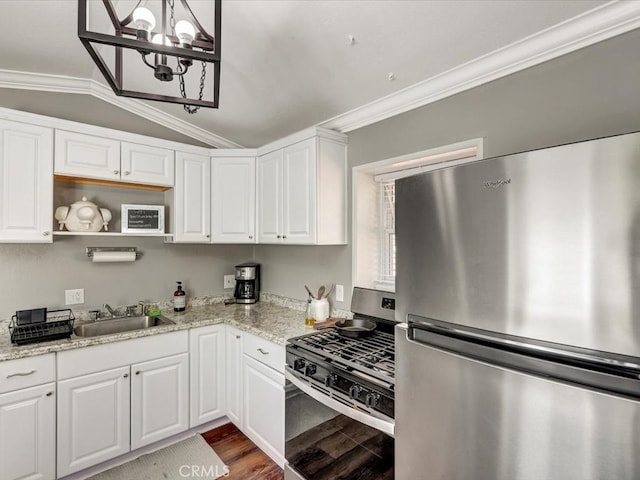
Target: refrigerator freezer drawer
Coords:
[(463, 419)]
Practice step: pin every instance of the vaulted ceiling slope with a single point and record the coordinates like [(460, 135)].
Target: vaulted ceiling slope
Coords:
[(291, 64)]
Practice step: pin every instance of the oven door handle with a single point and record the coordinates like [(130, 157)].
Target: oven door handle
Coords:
[(385, 426)]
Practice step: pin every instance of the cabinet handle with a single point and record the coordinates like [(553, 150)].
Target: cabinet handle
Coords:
[(126, 375), (138, 372), (116, 172), (208, 236), (284, 236), (263, 352), (238, 337), (21, 374), (250, 237), (49, 394), (45, 234), (127, 173), (279, 236)]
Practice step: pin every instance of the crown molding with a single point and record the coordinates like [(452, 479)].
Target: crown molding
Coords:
[(87, 86), (607, 21)]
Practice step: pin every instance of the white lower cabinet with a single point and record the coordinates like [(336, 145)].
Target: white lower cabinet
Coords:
[(263, 395), (207, 374), (233, 384), (93, 419), (159, 399), (28, 433)]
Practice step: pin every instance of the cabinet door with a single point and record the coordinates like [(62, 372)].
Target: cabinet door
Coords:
[(159, 399), (80, 155), (206, 352), (26, 183), (192, 199), (263, 412), (28, 434), (93, 419), (270, 197), (233, 200), (299, 192), (233, 354), (147, 165)]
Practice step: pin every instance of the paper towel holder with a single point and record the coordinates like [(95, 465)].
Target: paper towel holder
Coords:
[(92, 250)]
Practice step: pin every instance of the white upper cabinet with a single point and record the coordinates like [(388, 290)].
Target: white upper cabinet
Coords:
[(26, 183), (191, 198), (146, 164), (233, 200), (91, 156), (88, 156), (302, 191)]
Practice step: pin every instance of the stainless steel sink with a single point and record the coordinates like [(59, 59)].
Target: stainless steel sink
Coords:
[(119, 325)]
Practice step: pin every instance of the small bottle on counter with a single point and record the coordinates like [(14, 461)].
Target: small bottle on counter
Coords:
[(309, 320), (179, 299)]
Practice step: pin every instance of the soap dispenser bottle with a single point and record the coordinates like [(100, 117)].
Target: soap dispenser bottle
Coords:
[(179, 299)]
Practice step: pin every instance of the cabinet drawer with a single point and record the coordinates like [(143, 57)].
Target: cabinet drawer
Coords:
[(264, 351), (27, 372)]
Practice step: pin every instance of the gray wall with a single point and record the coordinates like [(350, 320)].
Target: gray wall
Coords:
[(591, 93)]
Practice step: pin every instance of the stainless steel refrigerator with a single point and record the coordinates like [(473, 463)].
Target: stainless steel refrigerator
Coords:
[(519, 281)]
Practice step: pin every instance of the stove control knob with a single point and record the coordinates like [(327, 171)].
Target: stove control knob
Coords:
[(298, 364), (310, 370), (372, 399), (354, 391), (330, 380)]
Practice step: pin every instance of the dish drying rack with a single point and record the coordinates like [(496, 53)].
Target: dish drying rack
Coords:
[(58, 324)]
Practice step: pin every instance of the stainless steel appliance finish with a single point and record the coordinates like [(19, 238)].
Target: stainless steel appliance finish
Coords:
[(247, 288), (340, 398), (543, 244), (518, 279)]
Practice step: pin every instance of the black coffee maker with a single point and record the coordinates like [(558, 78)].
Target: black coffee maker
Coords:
[(247, 283)]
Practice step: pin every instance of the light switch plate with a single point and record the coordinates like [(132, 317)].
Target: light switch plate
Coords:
[(339, 293), (74, 297), (229, 281)]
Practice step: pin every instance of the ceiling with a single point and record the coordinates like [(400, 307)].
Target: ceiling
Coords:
[(290, 64)]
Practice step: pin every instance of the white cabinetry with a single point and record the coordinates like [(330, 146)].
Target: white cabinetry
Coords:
[(159, 399), (207, 374), (27, 419), (92, 156), (118, 396), (93, 419), (263, 395), (233, 388), (26, 183), (233, 199), (302, 189), (191, 199), (146, 164)]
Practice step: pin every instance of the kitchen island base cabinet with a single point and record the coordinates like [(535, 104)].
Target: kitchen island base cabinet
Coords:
[(206, 350), (93, 419), (159, 399), (27, 434)]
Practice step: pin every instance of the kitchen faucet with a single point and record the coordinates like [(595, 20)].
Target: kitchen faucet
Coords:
[(110, 310)]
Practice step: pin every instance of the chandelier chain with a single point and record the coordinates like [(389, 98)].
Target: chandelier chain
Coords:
[(187, 108)]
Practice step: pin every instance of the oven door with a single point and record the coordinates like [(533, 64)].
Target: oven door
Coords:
[(324, 441)]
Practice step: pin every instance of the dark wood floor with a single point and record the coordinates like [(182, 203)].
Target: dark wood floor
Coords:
[(244, 459)]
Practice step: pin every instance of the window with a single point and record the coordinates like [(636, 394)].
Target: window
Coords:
[(374, 237)]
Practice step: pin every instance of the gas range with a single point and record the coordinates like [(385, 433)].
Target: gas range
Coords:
[(356, 372)]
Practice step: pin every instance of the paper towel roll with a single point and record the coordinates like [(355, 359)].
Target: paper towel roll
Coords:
[(102, 257)]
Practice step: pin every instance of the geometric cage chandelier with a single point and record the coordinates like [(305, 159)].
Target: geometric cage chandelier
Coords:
[(172, 50)]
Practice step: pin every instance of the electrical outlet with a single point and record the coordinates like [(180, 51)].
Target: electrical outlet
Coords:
[(74, 297), (229, 281), (339, 293)]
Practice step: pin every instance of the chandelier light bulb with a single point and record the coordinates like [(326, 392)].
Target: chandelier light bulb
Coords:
[(144, 19), (157, 39), (185, 32)]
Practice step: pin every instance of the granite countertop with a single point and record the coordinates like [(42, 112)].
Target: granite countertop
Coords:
[(273, 318)]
